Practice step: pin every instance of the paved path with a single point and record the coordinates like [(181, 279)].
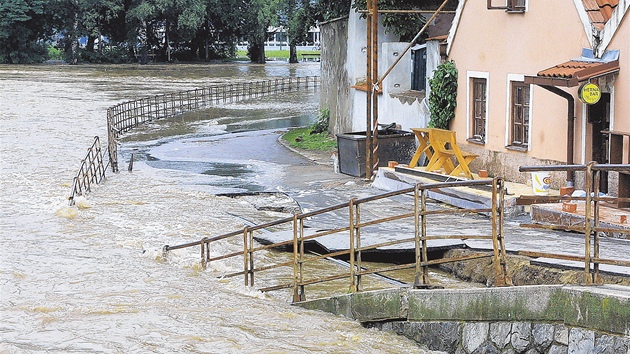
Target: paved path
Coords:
[(312, 183)]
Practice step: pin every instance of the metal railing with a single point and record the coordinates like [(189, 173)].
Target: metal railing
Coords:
[(353, 233), (91, 171), (591, 227), (127, 115)]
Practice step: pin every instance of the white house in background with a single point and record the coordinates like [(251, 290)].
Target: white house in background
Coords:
[(402, 97)]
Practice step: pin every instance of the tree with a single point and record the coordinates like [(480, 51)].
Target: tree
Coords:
[(259, 16), (297, 17), (24, 25)]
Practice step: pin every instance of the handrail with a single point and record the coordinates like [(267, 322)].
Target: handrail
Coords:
[(127, 115), (591, 227), (91, 171), (353, 231)]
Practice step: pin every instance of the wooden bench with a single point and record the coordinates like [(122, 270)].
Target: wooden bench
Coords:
[(444, 146), (424, 146), (309, 57)]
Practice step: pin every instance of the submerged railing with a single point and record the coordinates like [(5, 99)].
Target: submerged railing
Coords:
[(127, 115), (91, 171), (351, 233), (591, 227)]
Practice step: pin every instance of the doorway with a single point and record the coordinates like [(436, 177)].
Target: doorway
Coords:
[(599, 118)]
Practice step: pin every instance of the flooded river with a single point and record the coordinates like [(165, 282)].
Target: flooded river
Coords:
[(92, 279)]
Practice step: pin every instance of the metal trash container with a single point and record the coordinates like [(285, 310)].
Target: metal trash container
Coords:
[(393, 145)]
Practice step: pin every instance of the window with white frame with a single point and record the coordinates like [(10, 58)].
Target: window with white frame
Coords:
[(519, 115), (477, 106)]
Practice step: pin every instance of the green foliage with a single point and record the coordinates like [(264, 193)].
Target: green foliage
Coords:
[(125, 30), (322, 123), (404, 25), (326, 10), (443, 96), (303, 138), (23, 27), (55, 53)]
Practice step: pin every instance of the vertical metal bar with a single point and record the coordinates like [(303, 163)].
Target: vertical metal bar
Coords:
[(501, 235), (301, 259), (416, 219), (587, 223), (597, 278), (245, 254), (203, 253), (296, 295), (358, 245), (353, 284), (374, 88), (251, 256), (368, 82), (496, 232), (423, 219)]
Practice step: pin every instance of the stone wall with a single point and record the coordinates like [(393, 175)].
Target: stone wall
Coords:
[(506, 337), (517, 319)]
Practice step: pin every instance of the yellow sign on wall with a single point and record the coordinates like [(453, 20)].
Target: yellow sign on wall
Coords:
[(589, 93)]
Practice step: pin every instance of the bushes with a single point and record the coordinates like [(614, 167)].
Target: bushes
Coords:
[(443, 96)]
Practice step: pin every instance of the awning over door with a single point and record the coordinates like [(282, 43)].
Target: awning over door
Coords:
[(575, 71)]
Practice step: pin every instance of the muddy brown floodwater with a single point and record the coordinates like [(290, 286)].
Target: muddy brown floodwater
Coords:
[(91, 279)]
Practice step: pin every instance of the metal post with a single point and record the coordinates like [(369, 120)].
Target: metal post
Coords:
[(353, 283), (203, 254), (368, 82), (245, 254), (358, 245), (507, 280), (596, 182), (587, 223), (416, 211), (251, 256), (301, 259), (296, 295), (374, 88)]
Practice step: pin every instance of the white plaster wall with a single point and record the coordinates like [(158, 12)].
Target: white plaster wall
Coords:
[(356, 66)]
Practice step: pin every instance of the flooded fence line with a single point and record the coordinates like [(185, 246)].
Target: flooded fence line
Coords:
[(354, 246), (125, 116), (91, 171), (591, 227), (128, 115)]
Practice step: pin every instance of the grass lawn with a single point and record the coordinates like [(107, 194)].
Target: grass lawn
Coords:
[(275, 54), (301, 138)]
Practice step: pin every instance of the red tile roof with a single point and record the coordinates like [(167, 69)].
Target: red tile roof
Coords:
[(600, 11), (572, 72)]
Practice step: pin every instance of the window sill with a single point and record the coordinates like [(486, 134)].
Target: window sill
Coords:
[(517, 148), (476, 141)]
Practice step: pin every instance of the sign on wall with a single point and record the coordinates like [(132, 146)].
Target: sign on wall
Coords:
[(589, 93)]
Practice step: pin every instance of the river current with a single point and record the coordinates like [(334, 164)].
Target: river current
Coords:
[(90, 278)]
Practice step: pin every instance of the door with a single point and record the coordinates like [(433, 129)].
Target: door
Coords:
[(599, 118)]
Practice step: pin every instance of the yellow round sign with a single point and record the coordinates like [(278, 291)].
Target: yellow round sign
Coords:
[(589, 93)]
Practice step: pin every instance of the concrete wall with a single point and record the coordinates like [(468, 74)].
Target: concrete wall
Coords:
[(335, 83), (532, 319)]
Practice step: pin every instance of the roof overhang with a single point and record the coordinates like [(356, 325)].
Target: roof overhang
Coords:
[(576, 71), (572, 73)]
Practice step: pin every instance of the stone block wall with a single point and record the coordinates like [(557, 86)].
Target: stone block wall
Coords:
[(518, 319), (506, 337)]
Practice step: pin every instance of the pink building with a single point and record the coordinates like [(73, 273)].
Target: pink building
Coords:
[(521, 64)]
